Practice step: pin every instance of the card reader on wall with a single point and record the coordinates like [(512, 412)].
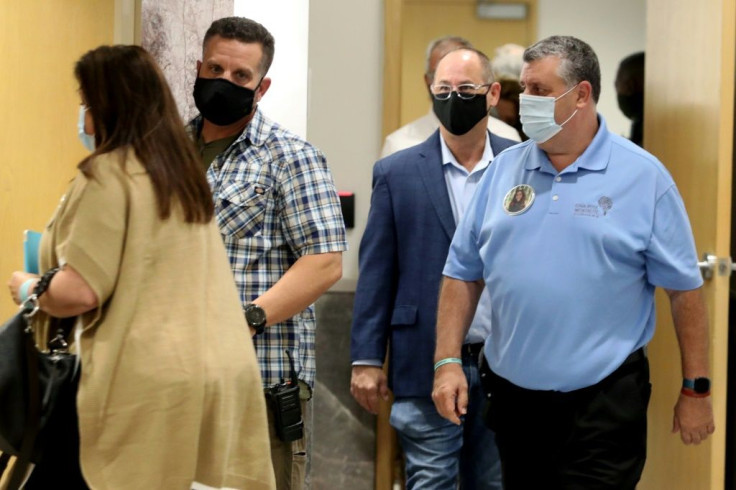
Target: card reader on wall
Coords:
[(347, 203)]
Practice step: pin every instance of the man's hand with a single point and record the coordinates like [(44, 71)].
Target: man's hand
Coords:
[(450, 392), (693, 419), (367, 384)]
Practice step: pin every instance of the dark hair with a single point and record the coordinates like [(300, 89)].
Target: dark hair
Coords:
[(246, 31), (578, 60), (133, 109), (630, 74), (510, 90)]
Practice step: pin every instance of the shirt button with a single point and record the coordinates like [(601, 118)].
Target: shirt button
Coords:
[(555, 197), (558, 178)]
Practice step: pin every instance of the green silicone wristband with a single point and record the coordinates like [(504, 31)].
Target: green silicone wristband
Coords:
[(23, 290), (447, 360)]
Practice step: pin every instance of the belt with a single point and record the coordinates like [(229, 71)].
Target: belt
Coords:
[(638, 355), (472, 350), (491, 381)]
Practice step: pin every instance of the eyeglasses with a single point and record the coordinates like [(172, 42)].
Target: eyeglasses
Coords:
[(467, 91)]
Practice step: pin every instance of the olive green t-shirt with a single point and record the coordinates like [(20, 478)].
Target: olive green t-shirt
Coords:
[(209, 151)]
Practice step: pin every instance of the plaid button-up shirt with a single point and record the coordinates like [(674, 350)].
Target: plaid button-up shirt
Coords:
[(275, 202)]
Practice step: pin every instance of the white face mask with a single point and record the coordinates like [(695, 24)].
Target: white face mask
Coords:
[(88, 140), (537, 115)]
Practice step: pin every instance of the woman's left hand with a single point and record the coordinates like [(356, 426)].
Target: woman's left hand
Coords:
[(16, 280)]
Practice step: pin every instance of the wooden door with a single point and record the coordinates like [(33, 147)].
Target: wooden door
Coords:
[(688, 125), (40, 40)]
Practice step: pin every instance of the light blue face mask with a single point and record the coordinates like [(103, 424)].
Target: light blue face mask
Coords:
[(88, 140), (537, 115)]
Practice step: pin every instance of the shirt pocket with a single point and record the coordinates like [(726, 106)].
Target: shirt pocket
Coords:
[(241, 209)]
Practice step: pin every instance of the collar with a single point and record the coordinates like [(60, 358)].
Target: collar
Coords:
[(594, 158), (449, 159), (255, 133)]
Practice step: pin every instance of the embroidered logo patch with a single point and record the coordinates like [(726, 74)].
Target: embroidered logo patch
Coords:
[(594, 210), (518, 199), (606, 204)]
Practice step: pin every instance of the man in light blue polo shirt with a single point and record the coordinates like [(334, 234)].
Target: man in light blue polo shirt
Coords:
[(571, 232)]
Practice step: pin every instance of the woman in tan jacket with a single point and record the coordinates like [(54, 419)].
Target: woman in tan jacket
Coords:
[(170, 394)]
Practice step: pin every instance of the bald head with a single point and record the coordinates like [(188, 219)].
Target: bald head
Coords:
[(437, 49), (467, 60)]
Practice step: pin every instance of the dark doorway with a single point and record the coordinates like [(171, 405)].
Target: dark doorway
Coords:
[(731, 383)]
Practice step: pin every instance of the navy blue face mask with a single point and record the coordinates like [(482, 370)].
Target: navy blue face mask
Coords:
[(222, 102)]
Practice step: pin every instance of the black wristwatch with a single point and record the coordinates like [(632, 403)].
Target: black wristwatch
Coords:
[(256, 317), (700, 386)]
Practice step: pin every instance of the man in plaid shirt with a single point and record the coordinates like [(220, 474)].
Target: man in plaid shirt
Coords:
[(277, 209)]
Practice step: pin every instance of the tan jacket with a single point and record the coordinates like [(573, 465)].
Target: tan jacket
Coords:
[(170, 395)]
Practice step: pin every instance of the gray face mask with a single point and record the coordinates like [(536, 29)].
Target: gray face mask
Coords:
[(537, 116)]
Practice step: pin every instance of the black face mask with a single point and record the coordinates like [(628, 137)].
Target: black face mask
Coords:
[(459, 116), (632, 106), (222, 102)]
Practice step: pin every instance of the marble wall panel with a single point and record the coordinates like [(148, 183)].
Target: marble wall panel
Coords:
[(344, 434), (172, 31)]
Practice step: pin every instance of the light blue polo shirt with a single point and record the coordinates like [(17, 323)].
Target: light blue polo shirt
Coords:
[(572, 277), (461, 186)]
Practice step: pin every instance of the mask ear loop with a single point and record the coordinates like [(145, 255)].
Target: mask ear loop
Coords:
[(573, 114), (571, 89), (576, 110)]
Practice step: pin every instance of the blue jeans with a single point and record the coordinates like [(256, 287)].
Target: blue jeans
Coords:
[(438, 453)]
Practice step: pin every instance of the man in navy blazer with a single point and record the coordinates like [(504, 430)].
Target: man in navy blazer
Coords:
[(419, 195)]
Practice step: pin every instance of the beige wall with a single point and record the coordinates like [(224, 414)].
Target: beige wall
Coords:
[(345, 101), (40, 41)]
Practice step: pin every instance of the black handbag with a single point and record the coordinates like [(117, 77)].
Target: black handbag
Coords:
[(37, 390)]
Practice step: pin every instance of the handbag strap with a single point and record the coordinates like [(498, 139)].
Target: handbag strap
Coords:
[(43, 284), (33, 420)]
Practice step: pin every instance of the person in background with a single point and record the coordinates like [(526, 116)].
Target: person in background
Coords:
[(507, 70), (630, 94), (420, 129), (170, 392), (508, 61), (419, 194), (572, 280), (278, 213)]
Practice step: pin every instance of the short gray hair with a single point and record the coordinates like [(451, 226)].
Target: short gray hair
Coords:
[(445, 42), (507, 62), (578, 60)]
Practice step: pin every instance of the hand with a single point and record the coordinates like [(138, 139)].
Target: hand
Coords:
[(16, 280), (450, 392), (693, 419), (367, 384)]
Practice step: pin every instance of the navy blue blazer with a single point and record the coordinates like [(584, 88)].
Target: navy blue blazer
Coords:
[(402, 254)]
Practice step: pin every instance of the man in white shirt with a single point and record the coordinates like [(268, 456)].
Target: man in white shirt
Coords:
[(419, 130)]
